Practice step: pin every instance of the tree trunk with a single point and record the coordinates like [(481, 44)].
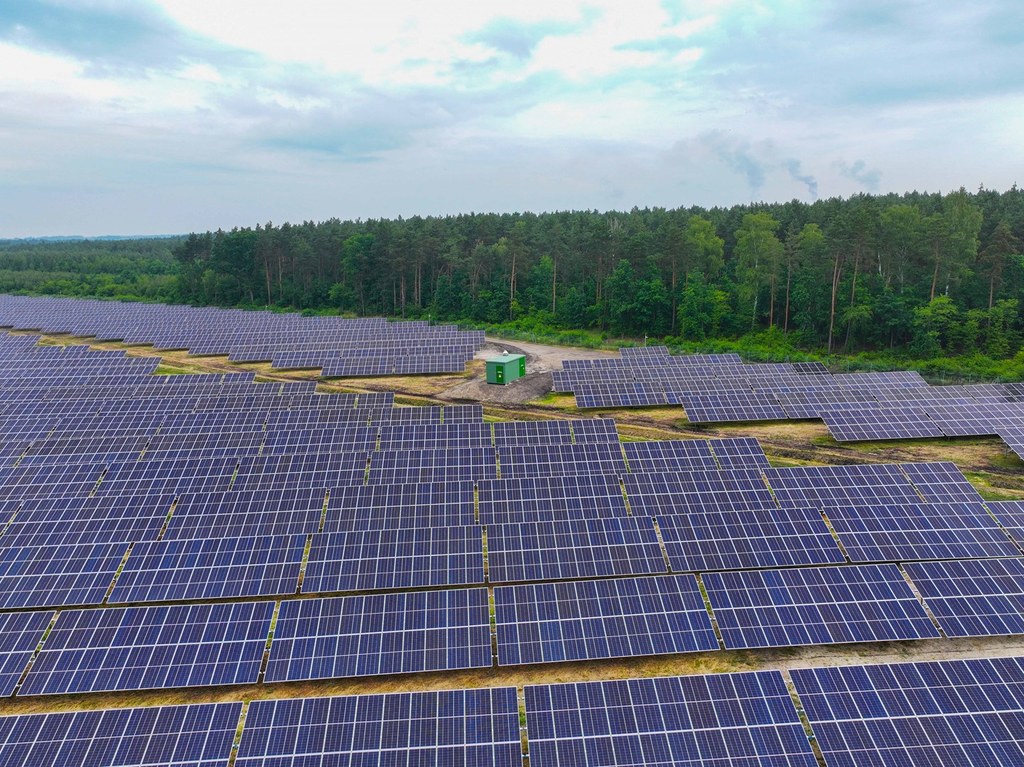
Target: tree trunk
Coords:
[(674, 291), (512, 286), (836, 272), (789, 283), (853, 297), (554, 274)]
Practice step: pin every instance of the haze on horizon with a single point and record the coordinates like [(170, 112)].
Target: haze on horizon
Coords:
[(146, 116)]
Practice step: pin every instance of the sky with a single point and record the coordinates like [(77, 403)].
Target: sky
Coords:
[(170, 116)]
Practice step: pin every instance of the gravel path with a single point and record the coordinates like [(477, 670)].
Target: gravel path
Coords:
[(541, 360)]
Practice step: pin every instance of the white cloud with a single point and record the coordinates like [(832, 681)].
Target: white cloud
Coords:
[(193, 114)]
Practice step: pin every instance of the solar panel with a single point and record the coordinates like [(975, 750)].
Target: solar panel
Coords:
[(457, 727), (300, 471), (808, 606), (240, 514), (400, 466), (434, 436), (532, 433), (210, 568), (615, 394), (739, 453), (941, 482), (669, 455), (171, 476), (873, 422), (157, 736), (594, 430), (406, 505), (78, 520), (538, 499), (981, 597), (56, 576), (554, 460), (827, 486), (20, 635), (366, 560), (743, 719), (1014, 439), (319, 439), (715, 539), (1011, 516), (143, 648), (887, 532), (532, 551), (656, 494), (375, 634), (618, 618), (944, 713), (731, 406)]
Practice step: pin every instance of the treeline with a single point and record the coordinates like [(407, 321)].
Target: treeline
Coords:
[(928, 274), (128, 270), (924, 275)]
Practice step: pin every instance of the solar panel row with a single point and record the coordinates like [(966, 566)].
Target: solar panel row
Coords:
[(939, 713), (353, 347), (854, 406)]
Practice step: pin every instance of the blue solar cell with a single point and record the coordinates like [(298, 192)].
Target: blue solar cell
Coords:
[(533, 551), (157, 736), (735, 540), (807, 606), (983, 597), (743, 719), (300, 471), (459, 727), (655, 494), (56, 576), (555, 460), (887, 532), (674, 455), (440, 465), (140, 648), (210, 568), (537, 499), (394, 559), (619, 618), (84, 520), (240, 513), (827, 486), (380, 634), (20, 635), (941, 482), (945, 713), (395, 506)]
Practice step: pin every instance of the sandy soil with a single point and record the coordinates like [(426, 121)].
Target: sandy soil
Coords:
[(539, 357), (540, 362)]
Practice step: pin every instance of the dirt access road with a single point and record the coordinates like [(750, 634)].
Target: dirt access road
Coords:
[(541, 360)]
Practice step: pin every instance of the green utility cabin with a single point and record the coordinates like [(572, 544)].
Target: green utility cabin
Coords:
[(506, 368)]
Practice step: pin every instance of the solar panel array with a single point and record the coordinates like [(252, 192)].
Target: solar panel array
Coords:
[(241, 490), (945, 713), (942, 713), (724, 719), (184, 736), (370, 540), (715, 388), (376, 634), (459, 727), (340, 347), (821, 605), (583, 620)]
